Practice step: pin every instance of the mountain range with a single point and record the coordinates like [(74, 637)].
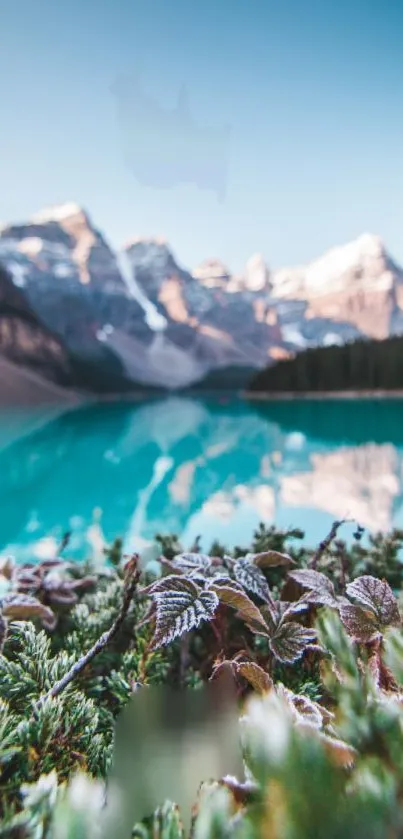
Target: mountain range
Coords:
[(76, 313)]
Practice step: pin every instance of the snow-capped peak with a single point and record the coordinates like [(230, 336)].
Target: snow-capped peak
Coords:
[(211, 272), (369, 243), (57, 212), (364, 257), (159, 241), (256, 274)]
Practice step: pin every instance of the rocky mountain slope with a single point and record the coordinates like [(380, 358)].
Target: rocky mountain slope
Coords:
[(91, 318)]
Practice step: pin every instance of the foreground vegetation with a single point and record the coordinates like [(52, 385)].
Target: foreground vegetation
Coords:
[(311, 641), (357, 365)]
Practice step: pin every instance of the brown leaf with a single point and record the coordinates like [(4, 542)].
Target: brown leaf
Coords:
[(188, 562), (233, 595), (255, 675), (271, 559), (303, 709), (64, 596), (252, 578), (290, 641), (378, 596), (361, 624), (284, 610), (83, 583), (22, 607), (320, 587)]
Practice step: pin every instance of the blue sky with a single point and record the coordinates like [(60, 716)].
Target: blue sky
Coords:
[(312, 91)]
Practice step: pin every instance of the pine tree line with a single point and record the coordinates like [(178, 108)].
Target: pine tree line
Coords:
[(357, 365)]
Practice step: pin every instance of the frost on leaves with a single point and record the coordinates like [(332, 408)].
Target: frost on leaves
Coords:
[(23, 607), (376, 609), (361, 624), (232, 594), (252, 578), (181, 606), (271, 559), (321, 589), (290, 640), (377, 596)]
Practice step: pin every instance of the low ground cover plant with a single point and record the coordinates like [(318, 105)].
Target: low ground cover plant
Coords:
[(311, 640)]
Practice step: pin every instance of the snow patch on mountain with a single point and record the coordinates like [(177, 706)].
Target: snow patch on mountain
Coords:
[(57, 213), (155, 321), (362, 260)]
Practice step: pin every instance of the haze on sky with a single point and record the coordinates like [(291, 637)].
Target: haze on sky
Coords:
[(227, 128)]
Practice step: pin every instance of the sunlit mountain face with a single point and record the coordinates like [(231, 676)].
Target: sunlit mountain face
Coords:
[(86, 317), (195, 467)]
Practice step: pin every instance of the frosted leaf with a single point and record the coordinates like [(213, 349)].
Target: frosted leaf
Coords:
[(290, 641), (255, 675), (321, 588), (303, 709), (270, 559), (232, 594), (361, 624), (284, 610), (378, 596), (252, 578), (23, 607), (191, 562), (181, 606)]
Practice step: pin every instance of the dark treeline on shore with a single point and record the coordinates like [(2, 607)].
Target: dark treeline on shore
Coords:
[(358, 365)]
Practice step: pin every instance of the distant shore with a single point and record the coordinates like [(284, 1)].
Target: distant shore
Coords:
[(294, 396)]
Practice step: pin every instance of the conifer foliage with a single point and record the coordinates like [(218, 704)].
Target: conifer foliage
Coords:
[(313, 642)]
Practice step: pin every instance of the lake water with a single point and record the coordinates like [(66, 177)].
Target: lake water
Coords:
[(190, 467)]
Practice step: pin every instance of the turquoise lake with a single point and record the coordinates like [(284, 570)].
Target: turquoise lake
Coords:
[(190, 467)]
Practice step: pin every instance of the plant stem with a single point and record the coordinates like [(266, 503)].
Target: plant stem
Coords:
[(131, 580), (325, 543)]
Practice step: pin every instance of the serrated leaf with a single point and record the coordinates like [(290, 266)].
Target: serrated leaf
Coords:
[(377, 596), (191, 562), (290, 641), (181, 606), (362, 624), (270, 559), (304, 710), (233, 595), (252, 578), (23, 607), (320, 587), (255, 675), (162, 584), (285, 610)]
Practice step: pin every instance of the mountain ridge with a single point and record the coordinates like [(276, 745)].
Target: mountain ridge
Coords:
[(207, 318)]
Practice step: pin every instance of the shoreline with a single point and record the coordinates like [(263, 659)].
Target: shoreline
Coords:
[(293, 396)]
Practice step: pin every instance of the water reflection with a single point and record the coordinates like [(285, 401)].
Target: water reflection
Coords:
[(196, 467)]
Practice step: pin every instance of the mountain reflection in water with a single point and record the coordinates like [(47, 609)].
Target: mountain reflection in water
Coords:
[(191, 466)]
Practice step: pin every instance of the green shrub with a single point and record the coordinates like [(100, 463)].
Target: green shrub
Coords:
[(314, 646)]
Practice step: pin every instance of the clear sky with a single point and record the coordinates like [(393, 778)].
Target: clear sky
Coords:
[(312, 91)]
